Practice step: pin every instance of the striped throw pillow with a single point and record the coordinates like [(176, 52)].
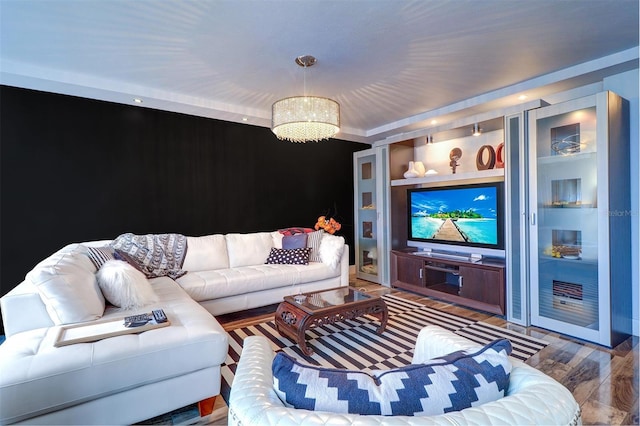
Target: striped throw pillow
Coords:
[(100, 255), (313, 242)]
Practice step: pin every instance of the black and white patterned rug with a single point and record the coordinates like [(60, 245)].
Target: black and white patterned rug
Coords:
[(354, 344)]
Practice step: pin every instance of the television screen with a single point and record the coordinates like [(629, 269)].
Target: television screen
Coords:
[(465, 215)]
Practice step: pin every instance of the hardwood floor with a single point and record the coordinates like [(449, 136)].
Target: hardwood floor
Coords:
[(603, 381)]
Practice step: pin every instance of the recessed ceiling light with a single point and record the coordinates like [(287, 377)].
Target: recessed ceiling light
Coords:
[(244, 119), (137, 100), (522, 97), (434, 121)]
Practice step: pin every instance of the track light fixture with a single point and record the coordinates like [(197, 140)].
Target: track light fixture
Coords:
[(476, 131)]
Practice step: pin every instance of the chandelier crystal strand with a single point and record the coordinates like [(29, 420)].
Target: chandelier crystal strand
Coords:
[(305, 118)]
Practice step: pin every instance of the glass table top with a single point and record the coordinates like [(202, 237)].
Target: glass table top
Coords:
[(328, 298)]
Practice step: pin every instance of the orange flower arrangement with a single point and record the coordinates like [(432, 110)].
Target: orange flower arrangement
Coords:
[(329, 225)]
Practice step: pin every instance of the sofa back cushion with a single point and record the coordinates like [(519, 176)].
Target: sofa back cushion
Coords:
[(206, 253), (451, 383), (68, 287), (248, 249)]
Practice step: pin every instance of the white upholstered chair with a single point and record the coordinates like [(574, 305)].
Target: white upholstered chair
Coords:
[(532, 398)]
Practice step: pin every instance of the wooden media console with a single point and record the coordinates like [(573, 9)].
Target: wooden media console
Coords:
[(476, 284)]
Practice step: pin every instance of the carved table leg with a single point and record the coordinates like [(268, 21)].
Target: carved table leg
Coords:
[(302, 341), (383, 316)]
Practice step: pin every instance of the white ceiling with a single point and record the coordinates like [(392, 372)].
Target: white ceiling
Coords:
[(392, 65)]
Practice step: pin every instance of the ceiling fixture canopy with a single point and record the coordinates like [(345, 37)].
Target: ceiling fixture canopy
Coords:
[(305, 118)]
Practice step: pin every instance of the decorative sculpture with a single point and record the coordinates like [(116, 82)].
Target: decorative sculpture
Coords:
[(454, 156)]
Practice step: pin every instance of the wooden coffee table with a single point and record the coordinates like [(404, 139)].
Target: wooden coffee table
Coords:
[(293, 318)]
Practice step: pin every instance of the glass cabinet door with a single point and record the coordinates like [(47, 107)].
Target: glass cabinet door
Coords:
[(366, 205), (569, 226)]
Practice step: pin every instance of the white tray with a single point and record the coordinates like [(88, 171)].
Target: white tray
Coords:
[(98, 330)]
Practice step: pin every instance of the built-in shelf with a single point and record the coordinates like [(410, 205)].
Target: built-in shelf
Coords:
[(567, 158), (482, 174), (570, 260)]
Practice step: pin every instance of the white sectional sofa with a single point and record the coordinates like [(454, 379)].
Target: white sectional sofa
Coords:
[(130, 378)]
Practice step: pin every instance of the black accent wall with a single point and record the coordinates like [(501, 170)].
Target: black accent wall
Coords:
[(74, 169)]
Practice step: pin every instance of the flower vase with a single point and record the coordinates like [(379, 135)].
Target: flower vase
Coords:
[(412, 172)]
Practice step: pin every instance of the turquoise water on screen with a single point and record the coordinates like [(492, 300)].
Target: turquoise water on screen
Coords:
[(425, 227), (477, 230)]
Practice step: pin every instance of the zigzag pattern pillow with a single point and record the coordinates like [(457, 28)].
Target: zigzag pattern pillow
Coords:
[(451, 383)]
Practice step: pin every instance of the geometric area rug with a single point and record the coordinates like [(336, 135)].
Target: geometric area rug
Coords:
[(355, 345)]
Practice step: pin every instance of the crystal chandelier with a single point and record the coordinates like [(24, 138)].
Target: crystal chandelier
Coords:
[(305, 118)]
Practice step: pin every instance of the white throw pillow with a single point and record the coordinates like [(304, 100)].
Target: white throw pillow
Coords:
[(124, 286), (331, 248)]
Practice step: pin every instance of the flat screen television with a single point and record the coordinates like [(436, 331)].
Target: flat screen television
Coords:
[(462, 218)]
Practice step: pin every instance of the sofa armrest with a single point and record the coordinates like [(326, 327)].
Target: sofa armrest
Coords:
[(532, 397), (344, 267), (434, 341), (23, 310), (252, 399)]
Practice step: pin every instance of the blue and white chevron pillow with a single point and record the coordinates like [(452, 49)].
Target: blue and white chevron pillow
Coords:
[(451, 383)]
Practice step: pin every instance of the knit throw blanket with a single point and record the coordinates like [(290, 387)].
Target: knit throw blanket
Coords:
[(155, 255)]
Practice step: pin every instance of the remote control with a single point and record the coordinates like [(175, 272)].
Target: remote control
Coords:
[(137, 320), (159, 316)]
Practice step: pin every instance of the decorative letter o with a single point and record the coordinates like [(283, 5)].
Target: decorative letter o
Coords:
[(499, 156), (480, 164)]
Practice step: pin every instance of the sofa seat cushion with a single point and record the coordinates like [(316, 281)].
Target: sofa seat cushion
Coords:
[(208, 285), (38, 377)]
